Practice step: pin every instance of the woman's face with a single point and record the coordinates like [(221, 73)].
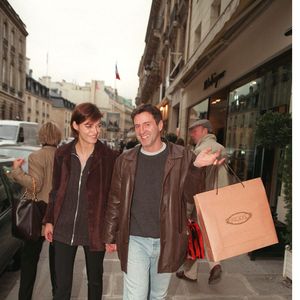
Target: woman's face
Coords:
[(88, 131)]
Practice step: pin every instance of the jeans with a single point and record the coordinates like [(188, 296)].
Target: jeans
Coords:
[(142, 281), (64, 265)]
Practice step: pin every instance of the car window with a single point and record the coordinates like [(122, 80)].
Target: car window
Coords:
[(8, 132), (4, 198)]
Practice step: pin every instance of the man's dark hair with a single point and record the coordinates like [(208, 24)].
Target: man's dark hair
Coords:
[(151, 109)]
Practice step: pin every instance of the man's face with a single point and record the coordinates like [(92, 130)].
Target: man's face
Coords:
[(147, 131), (197, 133)]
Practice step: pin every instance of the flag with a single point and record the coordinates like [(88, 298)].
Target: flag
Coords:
[(117, 73)]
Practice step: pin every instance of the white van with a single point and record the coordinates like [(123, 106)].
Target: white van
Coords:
[(18, 132)]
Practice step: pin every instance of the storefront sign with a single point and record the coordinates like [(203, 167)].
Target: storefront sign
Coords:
[(213, 79)]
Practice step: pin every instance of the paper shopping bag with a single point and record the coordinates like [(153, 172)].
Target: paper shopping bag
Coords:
[(235, 220)]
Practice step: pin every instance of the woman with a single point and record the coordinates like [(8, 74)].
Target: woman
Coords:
[(75, 213), (40, 165)]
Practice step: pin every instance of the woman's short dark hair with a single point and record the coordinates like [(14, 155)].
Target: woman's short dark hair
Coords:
[(82, 112), (49, 134), (151, 109)]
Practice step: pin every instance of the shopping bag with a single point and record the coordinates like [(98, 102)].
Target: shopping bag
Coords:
[(235, 219), (27, 215)]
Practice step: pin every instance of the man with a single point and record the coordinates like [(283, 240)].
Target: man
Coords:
[(201, 133), (146, 214)]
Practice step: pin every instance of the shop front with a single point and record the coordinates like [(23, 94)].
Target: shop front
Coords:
[(234, 110)]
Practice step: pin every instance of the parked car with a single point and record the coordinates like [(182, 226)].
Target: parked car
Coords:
[(10, 247), (17, 151)]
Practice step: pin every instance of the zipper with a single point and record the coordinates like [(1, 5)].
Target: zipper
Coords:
[(77, 205)]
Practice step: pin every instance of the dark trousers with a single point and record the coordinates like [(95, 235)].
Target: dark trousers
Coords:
[(29, 260), (64, 265)]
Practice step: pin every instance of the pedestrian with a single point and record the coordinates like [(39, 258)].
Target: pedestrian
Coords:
[(146, 215), (180, 141), (171, 137), (202, 135), (75, 213), (40, 164)]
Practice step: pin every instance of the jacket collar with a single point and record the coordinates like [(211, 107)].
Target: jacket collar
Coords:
[(174, 152), (209, 136)]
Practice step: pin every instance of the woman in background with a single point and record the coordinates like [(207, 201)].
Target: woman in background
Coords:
[(40, 165)]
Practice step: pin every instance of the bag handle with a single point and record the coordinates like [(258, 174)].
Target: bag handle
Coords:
[(33, 194), (229, 171)]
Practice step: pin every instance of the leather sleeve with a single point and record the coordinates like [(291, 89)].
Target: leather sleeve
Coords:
[(194, 184), (112, 212)]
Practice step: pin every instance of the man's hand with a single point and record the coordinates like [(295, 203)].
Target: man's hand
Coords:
[(49, 232), (206, 158), (110, 247)]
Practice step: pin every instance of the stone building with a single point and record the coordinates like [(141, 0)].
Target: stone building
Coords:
[(226, 60), (12, 63), (38, 105)]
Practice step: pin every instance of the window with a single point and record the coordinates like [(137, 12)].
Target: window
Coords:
[(11, 112), (5, 30), (11, 75), (12, 38), (215, 11), (4, 72), (20, 46), (4, 198), (197, 36), (3, 110)]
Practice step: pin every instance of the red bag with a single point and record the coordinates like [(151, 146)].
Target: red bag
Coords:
[(195, 242)]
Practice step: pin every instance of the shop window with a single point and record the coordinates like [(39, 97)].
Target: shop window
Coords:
[(270, 91), (217, 114), (242, 113), (199, 111)]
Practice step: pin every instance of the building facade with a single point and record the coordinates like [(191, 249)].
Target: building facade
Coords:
[(12, 63), (38, 105), (116, 109), (226, 60), (61, 114)]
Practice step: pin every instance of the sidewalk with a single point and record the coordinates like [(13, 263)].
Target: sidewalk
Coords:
[(243, 279)]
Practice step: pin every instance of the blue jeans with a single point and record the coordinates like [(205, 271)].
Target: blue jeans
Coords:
[(142, 281)]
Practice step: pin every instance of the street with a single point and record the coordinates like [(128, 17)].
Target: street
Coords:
[(243, 279)]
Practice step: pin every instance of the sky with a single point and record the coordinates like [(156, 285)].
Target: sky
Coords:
[(83, 40)]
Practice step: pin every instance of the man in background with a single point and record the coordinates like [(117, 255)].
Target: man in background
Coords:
[(201, 133)]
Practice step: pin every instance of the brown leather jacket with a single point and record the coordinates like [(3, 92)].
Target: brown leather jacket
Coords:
[(97, 187), (181, 181)]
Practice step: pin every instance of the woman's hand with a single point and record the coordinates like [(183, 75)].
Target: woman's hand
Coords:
[(17, 163), (206, 158), (49, 232)]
